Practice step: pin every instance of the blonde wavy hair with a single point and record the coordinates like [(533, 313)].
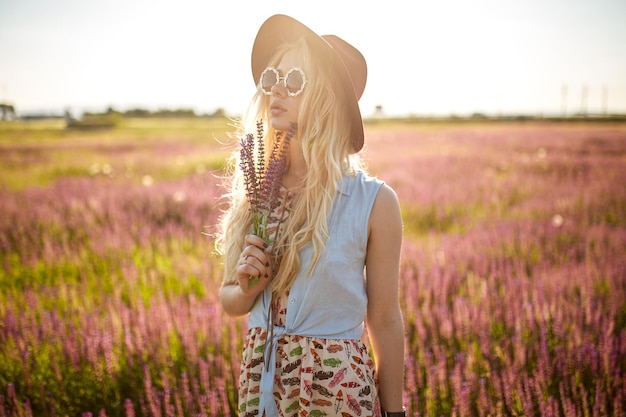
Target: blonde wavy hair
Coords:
[(324, 134)]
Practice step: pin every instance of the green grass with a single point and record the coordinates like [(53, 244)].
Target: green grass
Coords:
[(37, 153)]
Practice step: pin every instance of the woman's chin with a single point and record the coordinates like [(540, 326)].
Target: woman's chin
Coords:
[(280, 123)]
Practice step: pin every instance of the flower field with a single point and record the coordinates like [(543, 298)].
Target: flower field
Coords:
[(513, 278)]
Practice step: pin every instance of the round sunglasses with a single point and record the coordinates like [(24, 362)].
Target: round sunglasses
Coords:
[(294, 81)]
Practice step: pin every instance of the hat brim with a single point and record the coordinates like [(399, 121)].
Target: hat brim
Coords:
[(280, 28)]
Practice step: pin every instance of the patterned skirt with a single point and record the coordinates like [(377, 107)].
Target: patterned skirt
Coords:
[(314, 377)]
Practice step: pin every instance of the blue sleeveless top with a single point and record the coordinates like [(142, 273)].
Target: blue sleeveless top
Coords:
[(332, 303)]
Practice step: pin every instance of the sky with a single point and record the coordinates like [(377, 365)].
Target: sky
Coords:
[(437, 57)]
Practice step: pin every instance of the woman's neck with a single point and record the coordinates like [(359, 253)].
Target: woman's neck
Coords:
[(296, 167)]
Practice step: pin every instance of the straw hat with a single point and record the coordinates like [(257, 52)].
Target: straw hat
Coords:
[(348, 63)]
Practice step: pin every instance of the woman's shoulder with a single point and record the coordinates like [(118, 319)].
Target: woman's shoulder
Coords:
[(386, 209), (387, 196), (380, 194)]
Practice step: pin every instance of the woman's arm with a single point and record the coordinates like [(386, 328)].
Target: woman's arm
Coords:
[(385, 324), (237, 298)]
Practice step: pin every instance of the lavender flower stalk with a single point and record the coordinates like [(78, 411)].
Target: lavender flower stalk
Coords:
[(263, 182)]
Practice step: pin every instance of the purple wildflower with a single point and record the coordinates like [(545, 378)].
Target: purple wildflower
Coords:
[(263, 182), (247, 165)]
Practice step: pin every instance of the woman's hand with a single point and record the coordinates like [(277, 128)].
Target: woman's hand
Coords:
[(255, 264), (254, 271)]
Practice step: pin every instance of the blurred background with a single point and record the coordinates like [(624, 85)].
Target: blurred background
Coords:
[(426, 58), (113, 153)]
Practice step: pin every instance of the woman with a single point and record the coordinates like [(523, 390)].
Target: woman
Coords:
[(305, 289)]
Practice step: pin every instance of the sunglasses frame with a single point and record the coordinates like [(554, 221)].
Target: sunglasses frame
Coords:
[(284, 80)]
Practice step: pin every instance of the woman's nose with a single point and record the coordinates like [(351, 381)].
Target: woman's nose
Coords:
[(279, 89)]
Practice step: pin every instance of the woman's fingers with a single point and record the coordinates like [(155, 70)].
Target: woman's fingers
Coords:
[(254, 265), (253, 256), (256, 241), (256, 247)]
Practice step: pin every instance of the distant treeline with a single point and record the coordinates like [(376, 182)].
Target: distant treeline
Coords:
[(110, 116), (139, 112), (619, 118)]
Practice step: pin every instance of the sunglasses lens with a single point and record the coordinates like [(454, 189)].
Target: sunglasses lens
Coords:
[(294, 81), (269, 78)]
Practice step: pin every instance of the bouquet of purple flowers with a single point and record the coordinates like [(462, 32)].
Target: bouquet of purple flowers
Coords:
[(263, 180)]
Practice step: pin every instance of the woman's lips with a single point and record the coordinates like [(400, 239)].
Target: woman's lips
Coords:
[(276, 109)]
